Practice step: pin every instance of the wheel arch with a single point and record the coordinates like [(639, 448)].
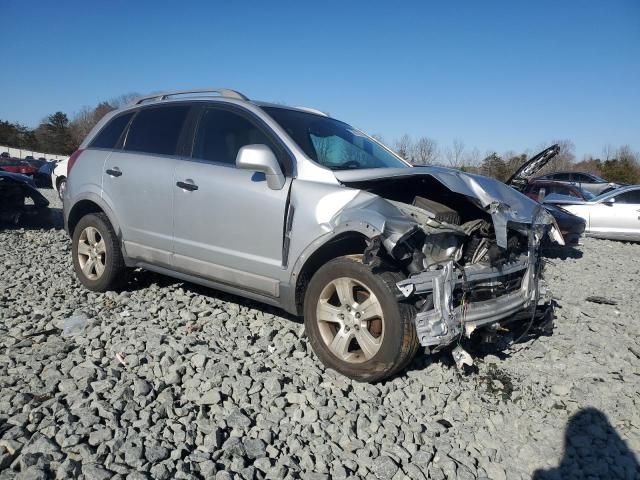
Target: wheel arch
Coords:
[(89, 204), (345, 243)]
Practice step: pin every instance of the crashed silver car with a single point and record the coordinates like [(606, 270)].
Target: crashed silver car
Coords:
[(293, 208)]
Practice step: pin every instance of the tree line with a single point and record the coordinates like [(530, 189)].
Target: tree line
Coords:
[(614, 164), (59, 134)]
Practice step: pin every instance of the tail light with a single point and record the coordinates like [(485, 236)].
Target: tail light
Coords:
[(72, 160)]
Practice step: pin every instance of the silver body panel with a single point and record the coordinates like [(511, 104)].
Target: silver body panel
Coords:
[(237, 234)]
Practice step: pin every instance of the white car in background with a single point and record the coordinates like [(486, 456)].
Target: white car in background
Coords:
[(614, 215), (59, 177)]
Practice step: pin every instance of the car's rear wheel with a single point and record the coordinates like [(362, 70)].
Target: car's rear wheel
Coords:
[(97, 258), (62, 186), (354, 322)]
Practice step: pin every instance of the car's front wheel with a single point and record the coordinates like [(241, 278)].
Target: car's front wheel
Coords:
[(97, 258), (355, 323)]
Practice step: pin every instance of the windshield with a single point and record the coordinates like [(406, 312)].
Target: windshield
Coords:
[(331, 143)]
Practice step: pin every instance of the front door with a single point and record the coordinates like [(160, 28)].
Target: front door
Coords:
[(228, 224)]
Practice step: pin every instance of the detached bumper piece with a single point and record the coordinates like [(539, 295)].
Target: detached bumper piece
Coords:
[(457, 301)]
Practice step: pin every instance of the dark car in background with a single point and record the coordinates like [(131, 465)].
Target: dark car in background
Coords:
[(538, 189), (583, 180), (20, 201)]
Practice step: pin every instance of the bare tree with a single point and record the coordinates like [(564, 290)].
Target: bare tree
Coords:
[(473, 158), (626, 154), (404, 147), (122, 100), (608, 152), (455, 154), (425, 151), (566, 158)]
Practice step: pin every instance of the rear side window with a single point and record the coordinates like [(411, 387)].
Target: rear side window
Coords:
[(581, 177), (632, 197), (222, 133), (563, 177), (110, 134), (157, 130)]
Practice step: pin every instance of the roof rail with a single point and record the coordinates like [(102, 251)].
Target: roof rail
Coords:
[(313, 110), (223, 92)]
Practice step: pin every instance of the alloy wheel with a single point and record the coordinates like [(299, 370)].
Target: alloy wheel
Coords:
[(350, 320)]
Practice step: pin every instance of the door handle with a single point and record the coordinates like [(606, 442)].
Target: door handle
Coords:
[(188, 185), (114, 172)]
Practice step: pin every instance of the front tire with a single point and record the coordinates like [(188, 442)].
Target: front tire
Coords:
[(354, 322), (97, 258)]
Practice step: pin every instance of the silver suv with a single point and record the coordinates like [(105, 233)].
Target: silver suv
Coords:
[(293, 208)]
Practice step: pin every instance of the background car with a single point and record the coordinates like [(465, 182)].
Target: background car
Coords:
[(614, 215), (36, 162), (15, 165), (538, 189), (43, 176), (571, 226), (586, 181), (59, 177)]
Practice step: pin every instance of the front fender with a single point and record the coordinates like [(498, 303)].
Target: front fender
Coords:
[(365, 214)]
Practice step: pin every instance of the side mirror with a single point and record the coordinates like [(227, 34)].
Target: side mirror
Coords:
[(610, 201), (260, 158)]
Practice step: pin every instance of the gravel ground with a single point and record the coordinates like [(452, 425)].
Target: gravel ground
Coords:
[(170, 380)]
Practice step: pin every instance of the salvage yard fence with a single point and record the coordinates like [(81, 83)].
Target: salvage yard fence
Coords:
[(21, 153)]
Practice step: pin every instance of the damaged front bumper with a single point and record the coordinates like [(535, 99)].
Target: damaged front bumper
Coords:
[(515, 289)]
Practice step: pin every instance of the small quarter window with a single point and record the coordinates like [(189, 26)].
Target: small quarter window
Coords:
[(110, 133), (157, 130)]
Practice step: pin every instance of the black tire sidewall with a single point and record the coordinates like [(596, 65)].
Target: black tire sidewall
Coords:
[(387, 357), (111, 271)]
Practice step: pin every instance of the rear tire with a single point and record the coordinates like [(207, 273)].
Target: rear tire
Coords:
[(97, 257), (62, 186), (347, 303)]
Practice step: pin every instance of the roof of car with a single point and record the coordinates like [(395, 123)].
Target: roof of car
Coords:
[(213, 95)]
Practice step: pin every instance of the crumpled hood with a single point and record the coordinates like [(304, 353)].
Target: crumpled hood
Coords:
[(503, 203)]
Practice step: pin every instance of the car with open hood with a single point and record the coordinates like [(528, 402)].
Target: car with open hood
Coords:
[(293, 208), (571, 226)]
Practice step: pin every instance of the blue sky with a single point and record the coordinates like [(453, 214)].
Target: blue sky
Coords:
[(497, 75)]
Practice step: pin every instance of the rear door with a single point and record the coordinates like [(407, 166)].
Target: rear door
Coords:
[(621, 219), (228, 224), (138, 180)]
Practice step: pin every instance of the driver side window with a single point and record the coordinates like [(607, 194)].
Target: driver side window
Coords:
[(222, 133)]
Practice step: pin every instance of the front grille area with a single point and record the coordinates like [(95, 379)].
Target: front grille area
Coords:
[(488, 289)]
